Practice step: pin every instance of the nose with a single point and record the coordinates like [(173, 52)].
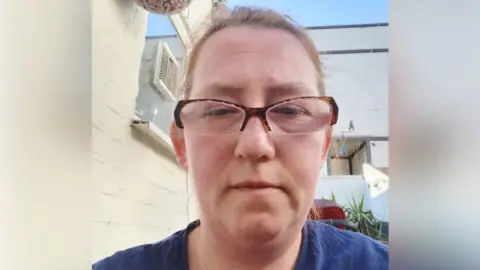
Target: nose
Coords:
[(255, 142)]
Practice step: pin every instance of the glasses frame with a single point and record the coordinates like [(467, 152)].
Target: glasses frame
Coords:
[(260, 112)]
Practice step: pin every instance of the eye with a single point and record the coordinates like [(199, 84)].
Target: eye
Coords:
[(289, 110), (220, 112)]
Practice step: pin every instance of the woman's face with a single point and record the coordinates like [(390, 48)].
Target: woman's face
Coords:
[(253, 67)]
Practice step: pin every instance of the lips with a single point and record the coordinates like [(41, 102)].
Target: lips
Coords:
[(255, 185)]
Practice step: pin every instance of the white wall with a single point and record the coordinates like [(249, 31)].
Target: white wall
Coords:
[(197, 13), (379, 153), (379, 186), (345, 188), (188, 23), (358, 82), (140, 191), (350, 38), (379, 205)]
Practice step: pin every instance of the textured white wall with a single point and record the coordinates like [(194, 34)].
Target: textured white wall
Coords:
[(380, 154), (188, 23), (197, 12), (140, 192)]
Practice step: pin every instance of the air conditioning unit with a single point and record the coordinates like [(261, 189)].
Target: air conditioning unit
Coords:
[(166, 73)]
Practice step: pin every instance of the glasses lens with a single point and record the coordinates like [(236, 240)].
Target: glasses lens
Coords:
[(303, 115), (212, 117)]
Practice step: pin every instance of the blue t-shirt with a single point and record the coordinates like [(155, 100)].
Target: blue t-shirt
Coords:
[(323, 247)]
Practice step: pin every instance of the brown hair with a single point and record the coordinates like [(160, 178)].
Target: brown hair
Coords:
[(255, 17), (314, 213)]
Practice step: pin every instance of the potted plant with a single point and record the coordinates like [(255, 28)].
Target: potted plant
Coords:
[(365, 220)]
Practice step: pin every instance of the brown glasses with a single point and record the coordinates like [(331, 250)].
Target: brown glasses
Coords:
[(292, 116)]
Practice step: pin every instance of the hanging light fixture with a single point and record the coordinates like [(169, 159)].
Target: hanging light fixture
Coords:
[(168, 7)]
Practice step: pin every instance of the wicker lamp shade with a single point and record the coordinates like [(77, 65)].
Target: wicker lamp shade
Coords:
[(168, 7)]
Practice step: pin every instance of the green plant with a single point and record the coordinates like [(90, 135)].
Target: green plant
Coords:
[(331, 199), (365, 220)]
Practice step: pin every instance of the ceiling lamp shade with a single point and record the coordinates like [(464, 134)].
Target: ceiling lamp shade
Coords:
[(168, 7)]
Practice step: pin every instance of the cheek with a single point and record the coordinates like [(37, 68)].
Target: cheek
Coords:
[(304, 157), (207, 158)]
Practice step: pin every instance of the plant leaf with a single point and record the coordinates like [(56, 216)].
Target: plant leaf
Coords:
[(361, 202)]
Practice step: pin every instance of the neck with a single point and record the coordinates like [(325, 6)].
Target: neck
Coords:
[(229, 252)]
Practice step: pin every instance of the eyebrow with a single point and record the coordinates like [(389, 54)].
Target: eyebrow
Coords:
[(287, 89), (221, 89)]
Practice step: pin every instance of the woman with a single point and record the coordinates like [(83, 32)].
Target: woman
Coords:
[(253, 129)]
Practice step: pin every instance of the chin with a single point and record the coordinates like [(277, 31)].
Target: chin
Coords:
[(259, 227)]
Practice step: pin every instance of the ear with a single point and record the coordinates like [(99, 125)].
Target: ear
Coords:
[(178, 141)]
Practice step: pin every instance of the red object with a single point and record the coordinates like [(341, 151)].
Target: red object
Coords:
[(329, 209)]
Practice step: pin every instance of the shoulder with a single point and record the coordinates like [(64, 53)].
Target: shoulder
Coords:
[(352, 250), (169, 253)]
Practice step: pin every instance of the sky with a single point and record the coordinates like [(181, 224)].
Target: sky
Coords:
[(309, 13)]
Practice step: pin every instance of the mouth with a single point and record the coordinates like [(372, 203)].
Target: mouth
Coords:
[(255, 185)]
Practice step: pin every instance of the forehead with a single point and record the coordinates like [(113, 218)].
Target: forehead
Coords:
[(248, 60)]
